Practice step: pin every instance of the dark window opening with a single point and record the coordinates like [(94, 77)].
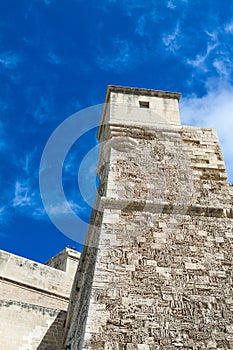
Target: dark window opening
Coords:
[(144, 104)]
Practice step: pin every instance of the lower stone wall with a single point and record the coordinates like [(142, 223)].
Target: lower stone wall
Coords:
[(161, 281), (33, 283), (30, 327)]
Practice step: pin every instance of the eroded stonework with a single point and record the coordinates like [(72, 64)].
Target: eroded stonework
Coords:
[(156, 271), (34, 300)]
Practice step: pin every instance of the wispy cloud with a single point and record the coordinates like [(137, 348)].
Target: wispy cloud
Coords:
[(27, 164), (9, 60), (217, 55), (121, 58), (26, 200), (22, 196), (215, 109), (53, 58), (141, 24), (171, 5), (223, 66), (171, 40), (48, 2), (229, 27), (42, 112), (4, 214), (146, 21), (200, 60)]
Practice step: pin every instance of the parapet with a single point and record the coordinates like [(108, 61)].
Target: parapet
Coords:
[(31, 282)]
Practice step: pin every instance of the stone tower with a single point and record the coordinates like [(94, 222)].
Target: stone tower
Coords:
[(156, 270)]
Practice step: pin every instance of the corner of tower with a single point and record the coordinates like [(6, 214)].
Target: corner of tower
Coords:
[(137, 106)]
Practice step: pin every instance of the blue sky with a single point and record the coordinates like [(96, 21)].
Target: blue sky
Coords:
[(58, 56)]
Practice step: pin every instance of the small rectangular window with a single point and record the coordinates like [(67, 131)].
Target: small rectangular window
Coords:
[(144, 104)]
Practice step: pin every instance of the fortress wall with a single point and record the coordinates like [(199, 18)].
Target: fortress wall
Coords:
[(30, 327), (10, 290), (34, 300), (25, 280)]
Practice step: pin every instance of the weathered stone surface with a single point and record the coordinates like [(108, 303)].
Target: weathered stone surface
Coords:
[(34, 300), (25, 326), (156, 272), (31, 282)]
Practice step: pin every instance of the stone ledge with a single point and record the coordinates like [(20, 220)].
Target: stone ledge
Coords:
[(8, 303), (165, 208), (35, 289), (142, 92)]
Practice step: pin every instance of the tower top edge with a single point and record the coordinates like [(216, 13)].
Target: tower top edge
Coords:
[(141, 91)]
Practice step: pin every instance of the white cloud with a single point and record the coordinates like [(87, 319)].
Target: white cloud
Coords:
[(27, 201), (27, 164), (9, 60), (217, 57), (200, 60), (215, 109), (22, 196), (141, 23), (171, 5), (229, 27), (170, 40), (26, 197), (223, 66)]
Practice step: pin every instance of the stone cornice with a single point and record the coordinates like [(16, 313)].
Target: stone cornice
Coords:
[(141, 91)]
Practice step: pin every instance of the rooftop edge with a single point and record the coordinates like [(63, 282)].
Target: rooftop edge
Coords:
[(141, 91)]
